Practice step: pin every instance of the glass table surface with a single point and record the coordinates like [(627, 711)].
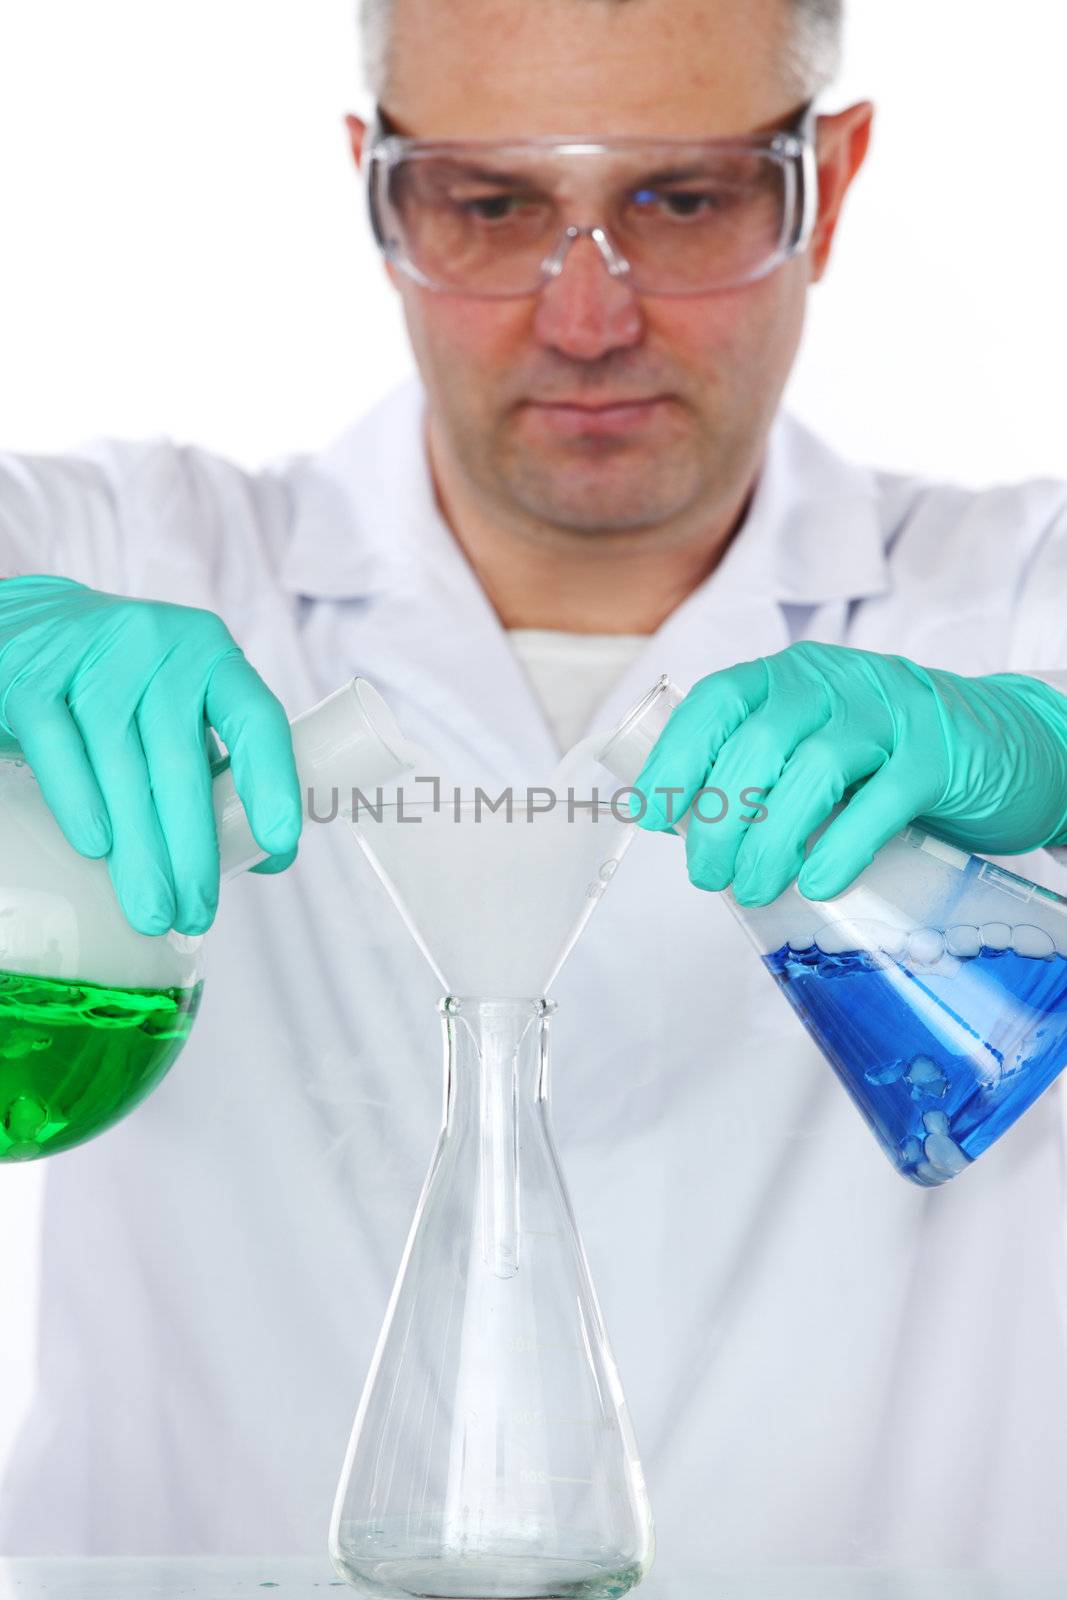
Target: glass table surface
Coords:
[(247, 1578)]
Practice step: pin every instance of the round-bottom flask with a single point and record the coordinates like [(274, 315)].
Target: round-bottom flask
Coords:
[(492, 1456), (92, 1013)]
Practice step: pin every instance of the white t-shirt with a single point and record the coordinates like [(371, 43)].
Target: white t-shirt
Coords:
[(573, 673)]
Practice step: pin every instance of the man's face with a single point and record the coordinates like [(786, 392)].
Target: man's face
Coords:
[(708, 369)]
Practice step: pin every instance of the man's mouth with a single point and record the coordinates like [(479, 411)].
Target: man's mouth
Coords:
[(607, 416)]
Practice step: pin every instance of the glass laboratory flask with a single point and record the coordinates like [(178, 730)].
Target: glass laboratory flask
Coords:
[(93, 1013), (492, 1455), (935, 984)]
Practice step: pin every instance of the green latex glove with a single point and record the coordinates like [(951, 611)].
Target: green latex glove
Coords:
[(112, 701), (979, 761)]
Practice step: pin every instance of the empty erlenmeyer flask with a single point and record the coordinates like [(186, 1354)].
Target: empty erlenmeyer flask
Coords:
[(935, 984), (492, 1456), (93, 1013)]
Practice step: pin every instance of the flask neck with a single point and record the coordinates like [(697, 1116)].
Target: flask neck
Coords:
[(490, 1042), (496, 1074), (350, 741)]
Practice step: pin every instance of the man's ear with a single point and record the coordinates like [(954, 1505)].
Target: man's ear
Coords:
[(357, 133), (842, 144)]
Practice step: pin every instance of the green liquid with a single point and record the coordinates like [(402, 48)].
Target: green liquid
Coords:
[(75, 1057)]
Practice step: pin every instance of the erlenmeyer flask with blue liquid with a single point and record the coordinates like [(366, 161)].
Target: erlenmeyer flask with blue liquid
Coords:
[(935, 984)]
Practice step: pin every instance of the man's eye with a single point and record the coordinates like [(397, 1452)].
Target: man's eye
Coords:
[(491, 207), (682, 203)]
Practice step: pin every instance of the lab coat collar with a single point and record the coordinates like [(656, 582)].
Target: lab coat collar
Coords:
[(366, 514), (813, 533), (365, 508)]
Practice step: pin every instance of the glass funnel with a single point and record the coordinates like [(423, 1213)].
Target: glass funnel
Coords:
[(492, 1455), (93, 1013), (935, 984)]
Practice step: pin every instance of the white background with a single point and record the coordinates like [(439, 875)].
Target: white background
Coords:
[(183, 252)]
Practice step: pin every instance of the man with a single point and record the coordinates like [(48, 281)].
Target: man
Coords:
[(590, 487)]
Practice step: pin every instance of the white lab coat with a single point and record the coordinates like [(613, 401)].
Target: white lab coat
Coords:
[(824, 1363)]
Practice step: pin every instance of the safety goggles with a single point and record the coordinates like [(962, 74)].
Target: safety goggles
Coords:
[(668, 216)]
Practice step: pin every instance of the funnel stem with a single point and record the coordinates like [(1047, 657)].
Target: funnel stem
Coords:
[(495, 1044), (500, 1158)]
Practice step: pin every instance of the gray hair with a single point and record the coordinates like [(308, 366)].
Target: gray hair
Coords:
[(816, 54)]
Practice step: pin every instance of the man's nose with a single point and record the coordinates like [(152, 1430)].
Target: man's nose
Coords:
[(586, 311)]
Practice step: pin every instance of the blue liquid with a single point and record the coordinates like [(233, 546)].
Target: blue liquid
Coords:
[(939, 1062)]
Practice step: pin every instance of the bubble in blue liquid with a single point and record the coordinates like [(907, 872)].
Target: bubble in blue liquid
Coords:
[(926, 1079), (944, 1154), (963, 940), (926, 945), (885, 1072)]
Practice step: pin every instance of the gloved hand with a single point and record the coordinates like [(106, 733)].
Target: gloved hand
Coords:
[(111, 700), (980, 761)]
